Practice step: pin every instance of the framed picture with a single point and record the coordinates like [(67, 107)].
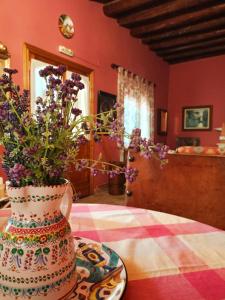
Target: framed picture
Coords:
[(197, 118), (106, 101), (162, 121)]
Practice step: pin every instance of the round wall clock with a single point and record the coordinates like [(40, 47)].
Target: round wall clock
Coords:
[(66, 26)]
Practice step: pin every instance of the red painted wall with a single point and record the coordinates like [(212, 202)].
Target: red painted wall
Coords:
[(98, 42), (200, 82)]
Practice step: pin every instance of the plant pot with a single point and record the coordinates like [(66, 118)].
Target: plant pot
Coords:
[(37, 256)]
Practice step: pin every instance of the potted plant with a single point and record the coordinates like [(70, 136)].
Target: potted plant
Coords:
[(37, 255)]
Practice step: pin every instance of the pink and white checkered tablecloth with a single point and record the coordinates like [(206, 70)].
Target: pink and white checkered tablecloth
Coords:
[(167, 257)]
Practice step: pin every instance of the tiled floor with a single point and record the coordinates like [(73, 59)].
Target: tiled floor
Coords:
[(102, 196)]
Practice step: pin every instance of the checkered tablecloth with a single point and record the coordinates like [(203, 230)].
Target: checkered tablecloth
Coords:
[(167, 257)]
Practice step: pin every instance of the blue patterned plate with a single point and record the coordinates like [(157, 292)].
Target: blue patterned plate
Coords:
[(101, 272)]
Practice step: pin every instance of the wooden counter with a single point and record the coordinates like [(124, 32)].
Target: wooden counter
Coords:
[(191, 186)]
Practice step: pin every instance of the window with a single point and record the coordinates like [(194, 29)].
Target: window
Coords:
[(136, 95), (137, 115), (37, 83), (83, 102), (38, 87)]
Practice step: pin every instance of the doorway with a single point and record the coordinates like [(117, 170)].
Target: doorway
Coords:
[(36, 59)]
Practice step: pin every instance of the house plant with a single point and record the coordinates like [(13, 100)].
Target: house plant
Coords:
[(37, 255)]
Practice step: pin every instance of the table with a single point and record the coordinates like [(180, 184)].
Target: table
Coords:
[(167, 257)]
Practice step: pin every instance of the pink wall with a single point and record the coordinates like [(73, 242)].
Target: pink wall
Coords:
[(200, 82), (98, 42)]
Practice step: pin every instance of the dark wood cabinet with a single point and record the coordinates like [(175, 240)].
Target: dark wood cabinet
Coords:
[(81, 180)]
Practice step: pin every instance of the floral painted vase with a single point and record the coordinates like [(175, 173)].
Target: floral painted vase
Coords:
[(37, 256)]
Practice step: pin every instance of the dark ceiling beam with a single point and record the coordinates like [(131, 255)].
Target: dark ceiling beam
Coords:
[(187, 39), (195, 52), (196, 56), (118, 7), (206, 26), (192, 46), (181, 20), (102, 1), (166, 10)]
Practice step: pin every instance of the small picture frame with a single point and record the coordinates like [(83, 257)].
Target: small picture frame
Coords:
[(196, 118), (106, 101), (162, 121)]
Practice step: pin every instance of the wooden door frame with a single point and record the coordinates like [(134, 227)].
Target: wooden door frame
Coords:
[(30, 51)]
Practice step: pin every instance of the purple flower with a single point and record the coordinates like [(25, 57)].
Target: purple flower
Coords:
[(113, 173), (80, 85), (52, 106), (30, 151), (46, 71), (39, 100), (135, 139), (18, 172), (81, 164), (56, 172), (81, 140), (60, 70), (76, 77), (76, 111), (84, 126), (53, 82), (5, 80), (162, 151), (131, 174), (63, 156), (94, 172), (136, 132), (10, 71), (69, 83)]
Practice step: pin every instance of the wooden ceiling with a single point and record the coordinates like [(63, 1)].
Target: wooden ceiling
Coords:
[(177, 30)]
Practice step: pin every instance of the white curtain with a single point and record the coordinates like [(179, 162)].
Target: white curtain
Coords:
[(136, 95)]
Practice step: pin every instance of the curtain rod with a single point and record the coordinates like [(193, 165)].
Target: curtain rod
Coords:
[(115, 67)]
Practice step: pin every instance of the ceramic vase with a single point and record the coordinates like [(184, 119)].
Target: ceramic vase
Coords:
[(37, 256)]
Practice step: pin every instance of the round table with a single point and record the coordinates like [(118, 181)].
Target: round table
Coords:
[(166, 256)]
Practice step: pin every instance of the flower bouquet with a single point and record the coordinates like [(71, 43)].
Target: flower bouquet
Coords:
[(38, 150)]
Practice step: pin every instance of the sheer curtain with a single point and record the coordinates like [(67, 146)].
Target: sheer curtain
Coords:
[(136, 95)]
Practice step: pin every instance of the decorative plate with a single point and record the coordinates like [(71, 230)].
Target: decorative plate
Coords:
[(101, 273), (66, 26)]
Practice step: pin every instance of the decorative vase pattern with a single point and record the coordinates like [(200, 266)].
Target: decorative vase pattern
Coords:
[(37, 256)]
